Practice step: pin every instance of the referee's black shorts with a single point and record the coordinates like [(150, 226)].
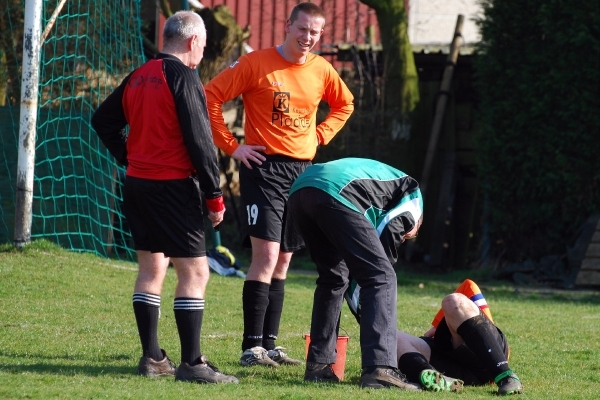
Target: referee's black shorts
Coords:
[(264, 191), (165, 216)]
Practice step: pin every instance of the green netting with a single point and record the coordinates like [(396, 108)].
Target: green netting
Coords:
[(77, 199), (11, 22)]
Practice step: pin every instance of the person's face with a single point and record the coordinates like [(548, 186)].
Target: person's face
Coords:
[(303, 33), (197, 51)]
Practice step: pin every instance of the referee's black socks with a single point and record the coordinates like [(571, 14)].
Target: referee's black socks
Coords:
[(146, 308), (188, 316)]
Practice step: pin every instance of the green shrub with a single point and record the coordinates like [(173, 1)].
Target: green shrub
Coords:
[(538, 77)]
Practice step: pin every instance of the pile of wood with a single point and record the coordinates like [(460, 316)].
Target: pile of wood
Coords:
[(589, 272)]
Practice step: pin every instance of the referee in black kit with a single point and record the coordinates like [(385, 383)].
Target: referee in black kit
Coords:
[(170, 159)]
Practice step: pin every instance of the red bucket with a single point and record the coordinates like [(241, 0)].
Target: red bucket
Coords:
[(340, 347)]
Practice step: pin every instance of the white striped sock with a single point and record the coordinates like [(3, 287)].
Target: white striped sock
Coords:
[(185, 303), (150, 299)]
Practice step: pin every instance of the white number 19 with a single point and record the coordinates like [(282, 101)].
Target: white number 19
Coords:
[(252, 214)]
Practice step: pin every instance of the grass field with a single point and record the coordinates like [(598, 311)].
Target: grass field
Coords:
[(67, 330)]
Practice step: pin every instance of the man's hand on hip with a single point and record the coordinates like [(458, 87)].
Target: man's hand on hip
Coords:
[(247, 153)]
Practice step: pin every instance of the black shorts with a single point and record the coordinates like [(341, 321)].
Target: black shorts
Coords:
[(165, 216), (264, 191), (460, 363)]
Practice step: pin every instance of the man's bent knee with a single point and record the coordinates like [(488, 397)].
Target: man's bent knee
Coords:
[(457, 304), (265, 256)]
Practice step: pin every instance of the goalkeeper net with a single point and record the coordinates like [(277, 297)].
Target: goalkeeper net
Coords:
[(77, 196)]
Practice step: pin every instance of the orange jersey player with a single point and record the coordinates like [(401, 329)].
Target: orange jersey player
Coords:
[(281, 99), (281, 88)]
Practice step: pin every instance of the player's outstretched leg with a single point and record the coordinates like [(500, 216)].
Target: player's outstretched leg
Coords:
[(435, 381), (510, 384)]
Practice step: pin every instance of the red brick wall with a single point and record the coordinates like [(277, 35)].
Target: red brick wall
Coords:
[(346, 20)]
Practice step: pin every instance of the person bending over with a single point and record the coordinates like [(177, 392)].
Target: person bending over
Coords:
[(352, 213)]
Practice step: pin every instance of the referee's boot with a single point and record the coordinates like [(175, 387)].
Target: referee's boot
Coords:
[(154, 369), (203, 372)]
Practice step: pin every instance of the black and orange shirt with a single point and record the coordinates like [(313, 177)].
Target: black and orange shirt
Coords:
[(281, 100)]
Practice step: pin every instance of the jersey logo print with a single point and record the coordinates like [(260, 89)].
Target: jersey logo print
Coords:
[(152, 82), (281, 102)]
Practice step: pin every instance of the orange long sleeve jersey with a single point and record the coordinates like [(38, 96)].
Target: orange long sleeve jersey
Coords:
[(281, 101)]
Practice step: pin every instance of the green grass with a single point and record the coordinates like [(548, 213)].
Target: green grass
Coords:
[(67, 330)]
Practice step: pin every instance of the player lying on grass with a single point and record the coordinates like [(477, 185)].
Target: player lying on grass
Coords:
[(463, 343)]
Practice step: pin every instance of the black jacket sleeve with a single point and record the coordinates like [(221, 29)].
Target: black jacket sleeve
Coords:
[(190, 102), (109, 122)]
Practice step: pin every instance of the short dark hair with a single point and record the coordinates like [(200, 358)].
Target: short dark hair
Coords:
[(307, 8)]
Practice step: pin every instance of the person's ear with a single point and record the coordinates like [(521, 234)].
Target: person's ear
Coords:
[(192, 42)]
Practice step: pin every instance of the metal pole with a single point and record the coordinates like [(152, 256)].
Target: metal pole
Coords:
[(52, 20), (441, 103), (28, 120)]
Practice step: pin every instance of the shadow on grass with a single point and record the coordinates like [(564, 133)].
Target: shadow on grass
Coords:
[(99, 358), (66, 369), (71, 366)]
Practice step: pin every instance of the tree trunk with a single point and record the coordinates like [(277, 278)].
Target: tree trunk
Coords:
[(401, 82), (399, 71), (11, 49), (223, 43)]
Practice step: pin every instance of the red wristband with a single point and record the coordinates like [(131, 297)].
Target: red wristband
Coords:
[(216, 204)]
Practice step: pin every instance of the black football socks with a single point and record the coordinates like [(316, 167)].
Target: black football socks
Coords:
[(273, 313), (481, 340), (412, 364), (188, 316), (146, 308), (255, 300)]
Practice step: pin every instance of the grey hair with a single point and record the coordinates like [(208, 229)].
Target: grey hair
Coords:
[(183, 25)]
